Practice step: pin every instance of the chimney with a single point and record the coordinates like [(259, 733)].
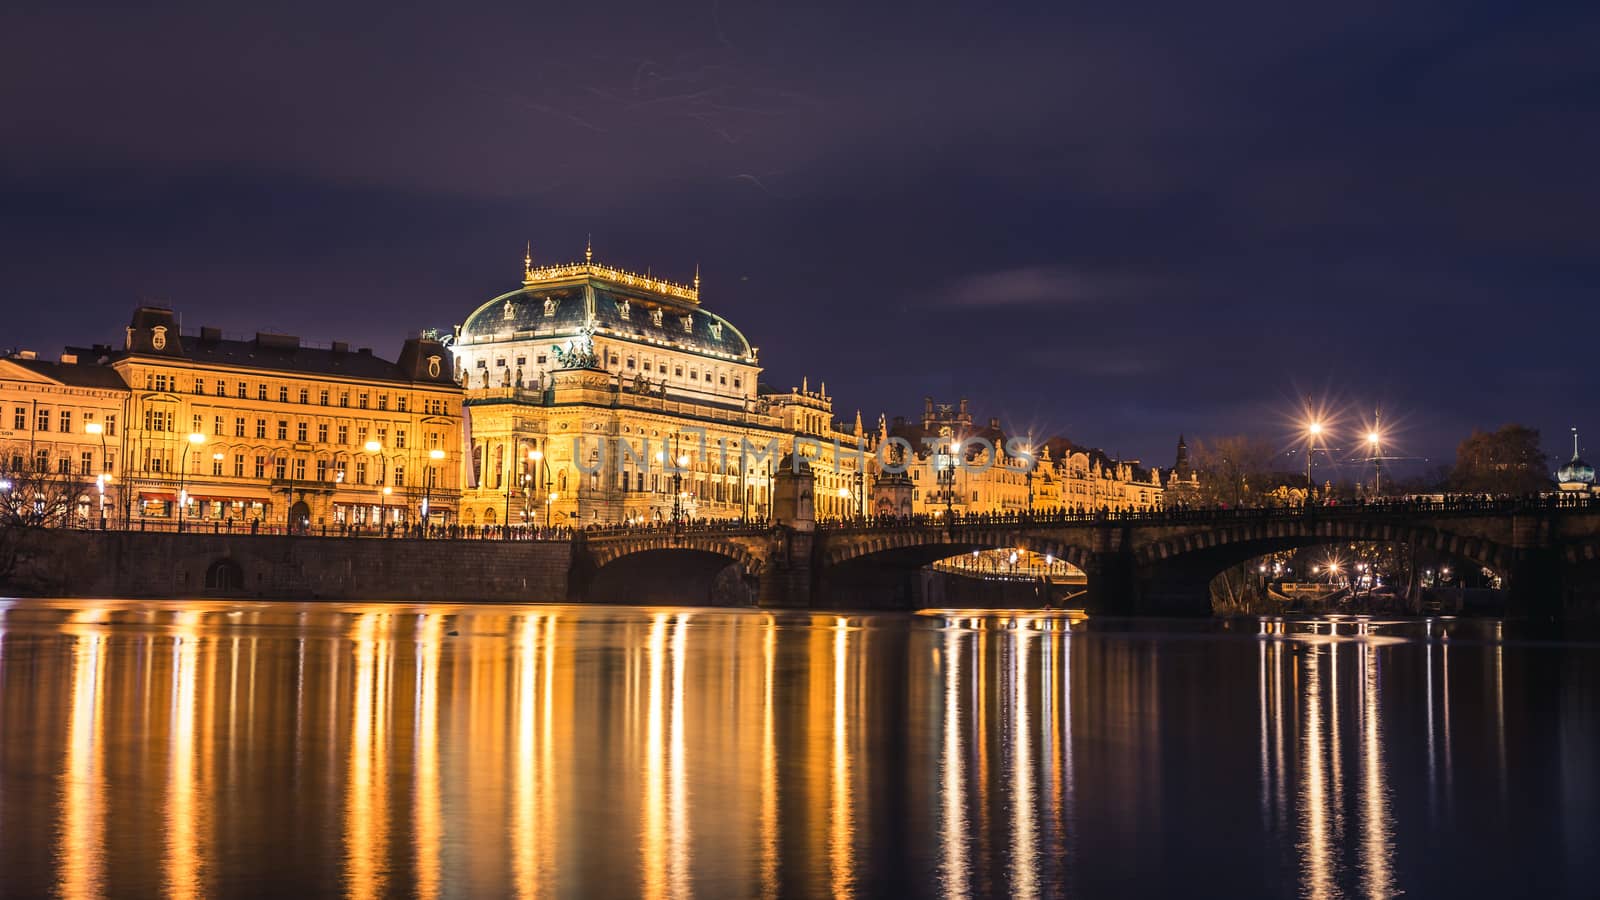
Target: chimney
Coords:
[(27, 354), (209, 335), (69, 359), (341, 347)]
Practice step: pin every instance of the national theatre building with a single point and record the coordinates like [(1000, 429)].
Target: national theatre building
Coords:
[(597, 395)]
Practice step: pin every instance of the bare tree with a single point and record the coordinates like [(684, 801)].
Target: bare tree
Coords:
[(34, 497)]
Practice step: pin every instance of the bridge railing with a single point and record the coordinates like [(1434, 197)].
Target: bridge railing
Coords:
[(1449, 506)]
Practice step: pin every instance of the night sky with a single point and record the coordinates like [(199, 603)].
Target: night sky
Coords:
[(1116, 221)]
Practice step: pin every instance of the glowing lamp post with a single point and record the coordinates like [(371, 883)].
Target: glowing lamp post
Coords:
[(948, 476), (1374, 444), (376, 449), (195, 440), (100, 480), (434, 456), (537, 458), (844, 502), (1313, 432)]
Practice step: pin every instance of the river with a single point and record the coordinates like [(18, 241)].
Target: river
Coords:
[(275, 749)]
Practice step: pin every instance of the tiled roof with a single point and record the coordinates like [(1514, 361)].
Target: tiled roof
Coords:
[(87, 375)]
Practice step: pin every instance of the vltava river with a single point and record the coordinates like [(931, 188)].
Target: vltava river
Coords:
[(283, 750)]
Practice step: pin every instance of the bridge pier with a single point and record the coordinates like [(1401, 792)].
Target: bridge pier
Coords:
[(1535, 586), (788, 579)]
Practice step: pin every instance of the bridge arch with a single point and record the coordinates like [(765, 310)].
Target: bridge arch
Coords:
[(668, 569), (915, 548), (1242, 541)]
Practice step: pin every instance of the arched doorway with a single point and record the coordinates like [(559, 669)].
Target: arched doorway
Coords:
[(224, 575), (299, 517)]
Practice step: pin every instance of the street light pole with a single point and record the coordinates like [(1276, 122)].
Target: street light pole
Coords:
[(195, 438), (434, 456), (1374, 442), (950, 481), (100, 480), (1313, 431)]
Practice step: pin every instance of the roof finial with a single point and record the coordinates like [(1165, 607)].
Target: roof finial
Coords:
[(697, 276), (527, 261), (1574, 442), (588, 250)]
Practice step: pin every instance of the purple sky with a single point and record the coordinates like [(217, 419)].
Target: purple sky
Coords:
[(1112, 221)]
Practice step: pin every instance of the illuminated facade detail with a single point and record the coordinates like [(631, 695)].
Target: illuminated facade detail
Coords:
[(272, 433), (994, 472)]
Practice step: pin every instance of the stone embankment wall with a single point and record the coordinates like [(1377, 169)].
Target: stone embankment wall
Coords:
[(140, 564)]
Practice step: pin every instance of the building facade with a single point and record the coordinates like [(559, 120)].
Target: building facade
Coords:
[(273, 433), (960, 467), (61, 432), (595, 395)]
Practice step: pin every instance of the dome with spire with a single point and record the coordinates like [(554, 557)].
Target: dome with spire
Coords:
[(1577, 474), (1576, 471)]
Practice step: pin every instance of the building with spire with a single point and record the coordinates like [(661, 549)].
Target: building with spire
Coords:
[(1576, 476)]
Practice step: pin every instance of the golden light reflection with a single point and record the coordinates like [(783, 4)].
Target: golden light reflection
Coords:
[(525, 836), (1316, 865), (81, 853), (1375, 812), (769, 764), (652, 831), (953, 795), (428, 829), (183, 856), (366, 799), (677, 798), (1024, 835), (841, 826)]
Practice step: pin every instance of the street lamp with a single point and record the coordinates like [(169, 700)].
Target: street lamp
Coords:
[(1374, 439), (680, 461), (100, 480), (434, 456), (376, 448), (537, 458), (948, 476), (1027, 456), (550, 502), (196, 439), (1313, 432)]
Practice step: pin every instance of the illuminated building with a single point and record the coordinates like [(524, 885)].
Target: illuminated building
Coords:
[(989, 471), (63, 420), (274, 432), (594, 395)]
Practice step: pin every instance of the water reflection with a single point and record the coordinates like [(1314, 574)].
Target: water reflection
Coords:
[(382, 750)]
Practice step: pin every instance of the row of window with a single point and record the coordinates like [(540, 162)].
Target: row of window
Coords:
[(160, 381), (281, 467), (633, 365), (63, 420), (156, 419), (41, 463)]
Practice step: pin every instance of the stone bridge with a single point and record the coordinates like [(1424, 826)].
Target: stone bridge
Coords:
[(1157, 563)]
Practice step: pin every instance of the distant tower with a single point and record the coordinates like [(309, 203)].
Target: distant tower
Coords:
[(1181, 467)]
